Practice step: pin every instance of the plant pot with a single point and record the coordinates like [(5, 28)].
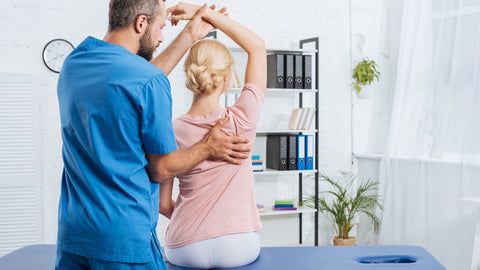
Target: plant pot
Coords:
[(344, 242), (367, 91)]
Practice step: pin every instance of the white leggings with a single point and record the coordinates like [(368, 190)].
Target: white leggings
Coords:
[(226, 251)]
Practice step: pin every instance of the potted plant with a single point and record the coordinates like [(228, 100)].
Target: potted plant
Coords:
[(365, 73), (343, 202)]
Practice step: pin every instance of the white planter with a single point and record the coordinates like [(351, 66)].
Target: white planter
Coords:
[(367, 91)]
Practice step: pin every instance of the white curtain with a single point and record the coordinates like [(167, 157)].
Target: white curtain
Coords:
[(432, 155)]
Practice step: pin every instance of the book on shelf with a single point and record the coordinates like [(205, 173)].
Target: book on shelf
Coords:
[(258, 167), (308, 118), (284, 205), (301, 118), (284, 202), (257, 163), (295, 118), (284, 208)]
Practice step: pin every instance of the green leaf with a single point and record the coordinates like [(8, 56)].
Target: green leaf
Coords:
[(365, 73), (358, 88)]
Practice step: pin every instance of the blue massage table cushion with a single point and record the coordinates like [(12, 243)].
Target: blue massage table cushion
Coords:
[(42, 257), (348, 257), (33, 257)]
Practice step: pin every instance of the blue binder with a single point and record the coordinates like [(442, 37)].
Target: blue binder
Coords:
[(309, 152), (301, 152)]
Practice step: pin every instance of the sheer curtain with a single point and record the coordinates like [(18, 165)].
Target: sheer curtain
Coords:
[(432, 155)]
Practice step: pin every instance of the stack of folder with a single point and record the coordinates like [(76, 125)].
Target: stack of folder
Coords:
[(290, 152), (260, 208), (283, 205), (293, 71), (257, 163)]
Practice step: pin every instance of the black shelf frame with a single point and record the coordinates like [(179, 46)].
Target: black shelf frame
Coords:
[(315, 41)]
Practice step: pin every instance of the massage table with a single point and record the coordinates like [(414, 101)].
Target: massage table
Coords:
[(42, 257)]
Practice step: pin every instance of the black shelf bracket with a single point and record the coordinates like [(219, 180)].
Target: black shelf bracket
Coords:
[(212, 34), (316, 42)]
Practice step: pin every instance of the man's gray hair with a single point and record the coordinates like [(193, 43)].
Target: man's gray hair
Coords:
[(123, 13)]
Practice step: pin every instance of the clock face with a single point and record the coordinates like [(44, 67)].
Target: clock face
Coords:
[(55, 53)]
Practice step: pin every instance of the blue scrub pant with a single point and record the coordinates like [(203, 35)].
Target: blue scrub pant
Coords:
[(69, 261)]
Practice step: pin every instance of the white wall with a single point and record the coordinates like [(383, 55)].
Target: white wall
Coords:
[(375, 35), (27, 25)]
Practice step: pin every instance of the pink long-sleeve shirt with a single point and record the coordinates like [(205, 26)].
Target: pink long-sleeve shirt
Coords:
[(216, 198)]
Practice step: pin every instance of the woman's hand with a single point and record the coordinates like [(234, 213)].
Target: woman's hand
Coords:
[(186, 11), (182, 11), (197, 27)]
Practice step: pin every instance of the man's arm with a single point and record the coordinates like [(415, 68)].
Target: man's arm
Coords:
[(170, 57), (215, 145), (163, 167), (196, 29)]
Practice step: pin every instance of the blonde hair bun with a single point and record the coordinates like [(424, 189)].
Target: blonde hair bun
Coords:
[(206, 66)]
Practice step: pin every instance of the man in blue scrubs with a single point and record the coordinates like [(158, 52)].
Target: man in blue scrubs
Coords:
[(118, 141)]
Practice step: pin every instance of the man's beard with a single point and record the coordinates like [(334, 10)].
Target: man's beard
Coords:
[(146, 46)]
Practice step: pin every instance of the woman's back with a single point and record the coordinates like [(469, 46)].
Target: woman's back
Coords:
[(216, 198), (214, 221)]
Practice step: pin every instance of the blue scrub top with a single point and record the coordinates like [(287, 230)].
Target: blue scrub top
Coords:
[(114, 107)]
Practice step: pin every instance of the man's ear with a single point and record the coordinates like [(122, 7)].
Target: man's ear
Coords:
[(140, 24)]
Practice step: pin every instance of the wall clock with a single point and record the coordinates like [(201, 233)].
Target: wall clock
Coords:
[(55, 52)]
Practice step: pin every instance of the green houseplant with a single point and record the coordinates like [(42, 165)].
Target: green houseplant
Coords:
[(344, 201), (365, 73)]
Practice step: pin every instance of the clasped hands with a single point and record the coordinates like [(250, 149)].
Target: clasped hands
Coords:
[(198, 27)]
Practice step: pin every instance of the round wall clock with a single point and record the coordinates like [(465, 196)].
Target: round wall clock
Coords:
[(55, 52)]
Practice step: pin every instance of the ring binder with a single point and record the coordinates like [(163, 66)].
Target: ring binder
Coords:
[(289, 71), (299, 71), (276, 70), (307, 71), (277, 152)]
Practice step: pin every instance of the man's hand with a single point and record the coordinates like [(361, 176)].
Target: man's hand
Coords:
[(198, 27), (182, 11), (186, 11), (222, 147)]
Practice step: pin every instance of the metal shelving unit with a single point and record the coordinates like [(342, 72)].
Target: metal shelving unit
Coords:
[(303, 42), (236, 91), (300, 210)]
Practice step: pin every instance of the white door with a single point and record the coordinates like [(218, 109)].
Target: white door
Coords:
[(21, 176)]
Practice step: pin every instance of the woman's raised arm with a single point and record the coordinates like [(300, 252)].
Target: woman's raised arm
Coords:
[(256, 70)]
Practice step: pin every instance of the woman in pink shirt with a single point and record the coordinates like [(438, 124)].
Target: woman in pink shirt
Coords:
[(214, 221)]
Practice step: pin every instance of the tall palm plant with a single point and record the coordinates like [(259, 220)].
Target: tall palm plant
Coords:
[(346, 201)]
